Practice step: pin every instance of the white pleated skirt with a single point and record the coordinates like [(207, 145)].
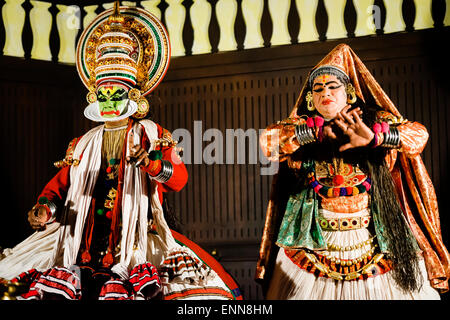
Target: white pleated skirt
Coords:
[(290, 282), (36, 252)]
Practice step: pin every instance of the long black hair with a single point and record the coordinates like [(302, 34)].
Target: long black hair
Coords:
[(401, 244)]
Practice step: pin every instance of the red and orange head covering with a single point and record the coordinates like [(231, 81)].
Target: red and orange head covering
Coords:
[(342, 58)]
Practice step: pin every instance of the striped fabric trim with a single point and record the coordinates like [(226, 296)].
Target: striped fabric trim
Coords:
[(109, 82), (115, 289), (115, 67), (113, 34), (210, 262), (145, 280), (180, 264), (59, 281), (28, 277), (212, 292), (113, 76), (119, 56)]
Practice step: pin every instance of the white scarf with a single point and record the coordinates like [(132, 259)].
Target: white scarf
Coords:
[(83, 179)]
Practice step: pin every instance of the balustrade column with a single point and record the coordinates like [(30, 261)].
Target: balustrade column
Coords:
[(252, 11), (365, 14), (394, 16), (41, 26), (226, 11), (307, 12), (13, 15), (152, 7), (68, 23), (200, 18), (175, 15), (336, 26), (424, 18), (90, 15), (279, 11), (109, 5), (447, 13)]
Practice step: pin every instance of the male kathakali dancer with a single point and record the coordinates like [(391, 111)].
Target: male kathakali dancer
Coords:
[(353, 213), (101, 232)]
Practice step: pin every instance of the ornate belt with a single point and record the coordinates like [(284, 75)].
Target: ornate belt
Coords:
[(345, 223), (368, 267)]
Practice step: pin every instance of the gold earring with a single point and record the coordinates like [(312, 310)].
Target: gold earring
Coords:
[(309, 101), (143, 108), (350, 89), (134, 94), (91, 97)]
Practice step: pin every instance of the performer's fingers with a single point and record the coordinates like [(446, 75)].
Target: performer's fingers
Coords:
[(141, 159), (348, 117), (341, 124), (139, 152), (346, 108), (345, 147), (35, 211), (136, 149), (356, 116), (328, 132), (36, 224)]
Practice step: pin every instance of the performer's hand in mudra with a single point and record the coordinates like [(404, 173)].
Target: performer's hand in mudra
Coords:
[(138, 155), (351, 124), (37, 217)]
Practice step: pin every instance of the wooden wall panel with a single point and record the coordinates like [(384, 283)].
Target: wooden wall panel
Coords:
[(38, 121)]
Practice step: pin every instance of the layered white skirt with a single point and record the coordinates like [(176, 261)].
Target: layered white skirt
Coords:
[(290, 282), (36, 252)]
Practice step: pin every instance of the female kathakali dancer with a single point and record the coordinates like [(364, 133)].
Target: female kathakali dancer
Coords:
[(353, 213), (101, 230)]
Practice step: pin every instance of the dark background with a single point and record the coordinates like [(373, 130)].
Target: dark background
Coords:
[(222, 207)]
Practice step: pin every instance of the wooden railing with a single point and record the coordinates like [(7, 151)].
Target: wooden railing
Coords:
[(49, 30)]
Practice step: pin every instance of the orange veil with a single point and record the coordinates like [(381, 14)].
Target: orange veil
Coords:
[(417, 197)]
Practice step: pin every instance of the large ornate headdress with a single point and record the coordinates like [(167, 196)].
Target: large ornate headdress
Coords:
[(123, 46), (342, 61)]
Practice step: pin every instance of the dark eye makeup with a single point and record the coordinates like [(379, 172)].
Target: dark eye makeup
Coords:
[(101, 97), (117, 96), (331, 87)]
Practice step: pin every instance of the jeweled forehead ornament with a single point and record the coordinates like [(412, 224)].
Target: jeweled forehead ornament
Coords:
[(127, 46), (328, 70)]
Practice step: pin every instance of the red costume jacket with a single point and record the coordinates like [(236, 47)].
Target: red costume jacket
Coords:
[(57, 187)]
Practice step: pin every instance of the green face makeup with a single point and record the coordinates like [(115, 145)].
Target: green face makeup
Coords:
[(112, 101)]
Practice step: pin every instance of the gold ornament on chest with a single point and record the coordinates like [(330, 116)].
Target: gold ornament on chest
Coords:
[(338, 173)]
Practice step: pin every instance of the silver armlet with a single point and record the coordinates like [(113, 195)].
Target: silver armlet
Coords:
[(52, 208), (304, 134), (391, 138), (166, 172)]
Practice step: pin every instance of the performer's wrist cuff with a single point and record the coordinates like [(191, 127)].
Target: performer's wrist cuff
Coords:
[(165, 173), (50, 207), (304, 134), (391, 138)]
